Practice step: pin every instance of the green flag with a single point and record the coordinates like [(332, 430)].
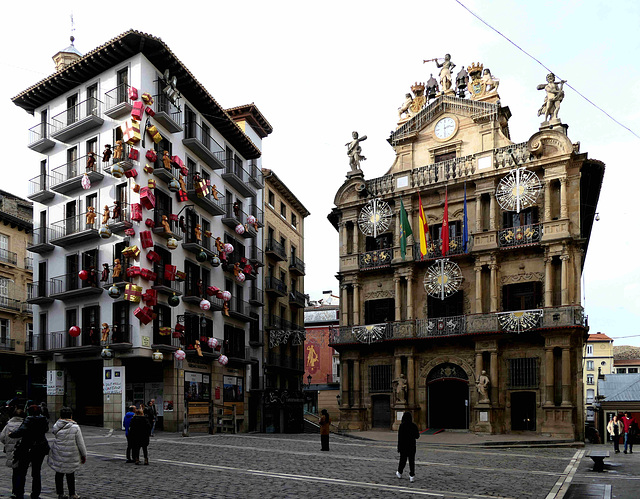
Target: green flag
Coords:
[(405, 229)]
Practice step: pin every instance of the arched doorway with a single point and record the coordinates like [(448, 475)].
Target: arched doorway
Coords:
[(448, 397)]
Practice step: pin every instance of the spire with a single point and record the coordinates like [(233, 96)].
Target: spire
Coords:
[(69, 55)]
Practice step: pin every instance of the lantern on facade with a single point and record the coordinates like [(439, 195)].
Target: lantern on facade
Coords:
[(174, 300), (226, 295), (179, 354), (106, 353), (228, 248), (157, 356), (213, 343), (215, 261), (205, 305), (223, 359), (172, 243), (201, 257), (240, 229), (104, 232), (117, 171), (74, 331), (174, 185), (114, 292)]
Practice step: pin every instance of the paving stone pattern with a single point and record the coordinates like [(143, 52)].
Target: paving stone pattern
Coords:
[(276, 466)]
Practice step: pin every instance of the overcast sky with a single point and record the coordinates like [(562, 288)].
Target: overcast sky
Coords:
[(319, 70)]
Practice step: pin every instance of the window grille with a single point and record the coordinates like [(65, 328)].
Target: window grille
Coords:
[(380, 378), (523, 373)]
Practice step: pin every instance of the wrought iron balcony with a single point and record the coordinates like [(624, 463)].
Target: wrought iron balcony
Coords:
[(256, 256), (37, 342), (297, 299), (513, 322), (39, 140), (69, 286), (8, 257), (239, 309), (62, 340), (28, 263), (121, 159), (241, 355), (257, 213), (7, 344), (11, 304), (68, 177), (74, 230), (122, 221), (255, 175), (213, 202), (434, 248), (163, 339), (76, 120), (376, 259), (275, 286), (40, 241), (296, 266), (233, 215), (159, 229), (524, 235), (164, 285), (40, 189), (167, 113), (162, 172), (272, 321), (238, 177), (274, 359), (120, 336), (39, 292), (256, 296), (26, 308), (275, 250), (117, 102), (200, 142)]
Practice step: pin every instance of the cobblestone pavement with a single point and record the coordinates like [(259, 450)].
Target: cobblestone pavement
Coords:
[(276, 466)]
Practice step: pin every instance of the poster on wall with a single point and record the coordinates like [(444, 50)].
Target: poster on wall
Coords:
[(55, 382), (232, 389), (197, 387), (112, 379)]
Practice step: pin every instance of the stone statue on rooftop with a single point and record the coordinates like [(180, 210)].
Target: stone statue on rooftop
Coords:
[(404, 109), (354, 151), (490, 83), (553, 98), (445, 73)]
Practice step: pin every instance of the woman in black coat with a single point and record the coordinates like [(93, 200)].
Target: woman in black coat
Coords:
[(139, 430), (33, 448), (407, 436)]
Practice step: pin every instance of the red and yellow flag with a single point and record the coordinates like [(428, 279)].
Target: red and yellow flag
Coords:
[(424, 231)]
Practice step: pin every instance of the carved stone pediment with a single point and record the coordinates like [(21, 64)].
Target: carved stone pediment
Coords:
[(547, 143)]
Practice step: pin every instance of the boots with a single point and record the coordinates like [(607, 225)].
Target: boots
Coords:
[(137, 461), (146, 461)]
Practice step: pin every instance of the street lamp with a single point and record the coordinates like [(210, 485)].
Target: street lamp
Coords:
[(309, 381)]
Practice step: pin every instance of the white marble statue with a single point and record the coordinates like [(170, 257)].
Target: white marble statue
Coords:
[(483, 387), (404, 109), (490, 83), (445, 73), (354, 151), (553, 98)]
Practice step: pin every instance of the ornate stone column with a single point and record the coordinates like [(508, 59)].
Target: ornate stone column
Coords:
[(565, 279), (494, 287), (547, 200), (396, 280), (564, 209), (343, 304), (492, 212), (548, 292), (356, 238), (549, 381), (357, 398), (577, 266), (409, 297), (566, 377), (342, 235), (478, 270), (478, 364), (478, 213), (356, 304)]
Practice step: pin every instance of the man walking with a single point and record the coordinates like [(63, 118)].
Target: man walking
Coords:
[(630, 426), (151, 411)]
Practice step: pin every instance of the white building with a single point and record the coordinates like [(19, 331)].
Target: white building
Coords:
[(79, 111)]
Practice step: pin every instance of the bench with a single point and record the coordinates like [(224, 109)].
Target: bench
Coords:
[(598, 458)]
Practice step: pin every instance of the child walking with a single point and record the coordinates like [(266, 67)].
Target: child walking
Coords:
[(407, 436), (68, 452)]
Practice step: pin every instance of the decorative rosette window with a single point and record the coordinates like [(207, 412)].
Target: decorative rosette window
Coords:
[(375, 217)]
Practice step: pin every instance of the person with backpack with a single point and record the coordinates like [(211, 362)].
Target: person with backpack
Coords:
[(68, 452), (9, 447), (407, 435), (32, 449)]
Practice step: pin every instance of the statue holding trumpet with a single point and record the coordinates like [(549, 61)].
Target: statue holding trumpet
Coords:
[(553, 98), (445, 72)]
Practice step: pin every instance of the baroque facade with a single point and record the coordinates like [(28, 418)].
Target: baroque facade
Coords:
[(481, 326), (147, 239)]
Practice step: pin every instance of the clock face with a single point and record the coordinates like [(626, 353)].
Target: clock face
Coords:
[(445, 128)]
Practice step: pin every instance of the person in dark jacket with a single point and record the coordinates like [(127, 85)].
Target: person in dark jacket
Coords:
[(139, 430), (33, 449), (151, 412), (407, 436), (325, 424), (126, 423)]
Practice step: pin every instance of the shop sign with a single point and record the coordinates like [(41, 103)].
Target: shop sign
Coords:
[(55, 382), (112, 379)]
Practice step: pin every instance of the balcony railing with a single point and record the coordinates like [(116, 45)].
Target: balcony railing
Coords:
[(7, 344), (68, 177), (39, 292), (287, 361), (28, 263), (165, 285), (434, 248), (255, 175), (71, 286), (119, 333), (40, 188), (524, 235), (256, 256), (276, 249), (513, 322), (376, 259), (76, 120), (256, 296), (26, 308), (238, 177), (39, 140), (9, 257), (166, 339), (273, 321), (38, 342), (74, 229), (296, 265), (239, 308), (200, 141), (275, 285), (296, 298), (257, 213), (214, 203), (9, 303), (117, 102), (167, 113)]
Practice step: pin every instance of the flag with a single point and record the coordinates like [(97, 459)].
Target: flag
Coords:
[(405, 229), (465, 222), (424, 231), (444, 235)]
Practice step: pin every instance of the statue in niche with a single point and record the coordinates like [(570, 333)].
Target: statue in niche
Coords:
[(553, 98), (400, 389), (483, 387), (354, 151)]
